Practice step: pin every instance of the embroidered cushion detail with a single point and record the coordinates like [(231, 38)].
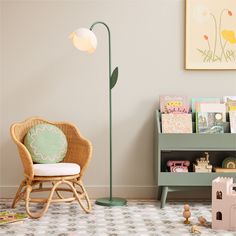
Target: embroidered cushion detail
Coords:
[(46, 144)]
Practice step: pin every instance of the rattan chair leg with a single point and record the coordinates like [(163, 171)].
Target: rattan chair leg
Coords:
[(18, 194), (44, 210), (79, 196), (57, 192), (84, 192)]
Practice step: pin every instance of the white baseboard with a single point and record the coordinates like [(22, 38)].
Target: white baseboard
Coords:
[(126, 191), (141, 192), (131, 192)]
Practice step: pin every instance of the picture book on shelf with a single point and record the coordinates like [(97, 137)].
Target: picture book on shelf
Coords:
[(197, 101), (230, 102), (11, 217), (229, 99), (213, 107), (232, 120), (174, 104), (231, 106), (177, 123), (210, 122)]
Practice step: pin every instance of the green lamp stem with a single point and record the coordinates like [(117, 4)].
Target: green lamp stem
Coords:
[(112, 81), (110, 100)]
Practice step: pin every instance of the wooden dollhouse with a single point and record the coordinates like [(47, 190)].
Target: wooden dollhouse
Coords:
[(224, 204)]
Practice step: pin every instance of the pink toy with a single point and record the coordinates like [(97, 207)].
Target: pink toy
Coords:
[(223, 204), (178, 166)]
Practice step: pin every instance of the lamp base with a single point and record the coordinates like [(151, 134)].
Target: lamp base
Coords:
[(116, 201)]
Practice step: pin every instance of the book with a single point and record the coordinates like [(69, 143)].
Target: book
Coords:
[(213, 107), (177, 110), (230, 102), (177, 123), (232, 120), (196, 102), (174, 104), (231, 106), (229, 99), (210, 122), (7, 217)]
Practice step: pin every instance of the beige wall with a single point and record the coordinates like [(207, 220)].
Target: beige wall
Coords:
[(44, 75)]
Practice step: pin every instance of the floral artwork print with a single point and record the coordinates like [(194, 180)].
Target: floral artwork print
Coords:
[(210, 34), (225, 36)]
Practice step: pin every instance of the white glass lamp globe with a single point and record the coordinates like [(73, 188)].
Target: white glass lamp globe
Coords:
[(84, 40)]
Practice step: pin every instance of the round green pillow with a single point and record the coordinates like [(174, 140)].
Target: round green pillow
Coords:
[(46, 144)]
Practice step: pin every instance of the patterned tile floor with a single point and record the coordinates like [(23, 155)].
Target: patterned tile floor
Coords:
[(137, 218)]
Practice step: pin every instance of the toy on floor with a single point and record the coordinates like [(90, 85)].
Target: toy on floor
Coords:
[(223, 204), (202, 221), (195, 230), (186, 213)]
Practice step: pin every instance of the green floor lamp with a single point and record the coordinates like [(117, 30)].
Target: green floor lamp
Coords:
[(85, 40)]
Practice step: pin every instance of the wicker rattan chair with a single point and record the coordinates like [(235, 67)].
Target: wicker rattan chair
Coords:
[(79, 151)]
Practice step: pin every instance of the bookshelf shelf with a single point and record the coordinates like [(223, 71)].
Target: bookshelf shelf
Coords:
[(189, 147)]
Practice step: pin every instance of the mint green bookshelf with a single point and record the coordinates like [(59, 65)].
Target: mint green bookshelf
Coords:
[(219, 144)]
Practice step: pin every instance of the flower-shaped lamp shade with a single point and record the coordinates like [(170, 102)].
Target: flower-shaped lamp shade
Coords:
[(84, 40)]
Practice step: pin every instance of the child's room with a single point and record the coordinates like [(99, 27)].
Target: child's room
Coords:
[(118, 117)]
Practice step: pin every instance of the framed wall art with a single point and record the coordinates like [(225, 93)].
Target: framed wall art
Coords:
[(210, 35)]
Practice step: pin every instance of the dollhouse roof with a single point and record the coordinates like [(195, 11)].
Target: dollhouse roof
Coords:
[(226, 180)]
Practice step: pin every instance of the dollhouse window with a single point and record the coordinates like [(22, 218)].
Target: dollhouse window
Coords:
[(218, 195), (219, 215)]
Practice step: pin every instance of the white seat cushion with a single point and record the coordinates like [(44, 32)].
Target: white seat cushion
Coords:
[(58, 169)]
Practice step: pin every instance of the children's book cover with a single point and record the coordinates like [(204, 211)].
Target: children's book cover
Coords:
[(177, 123), (232, 120), (231, 106), (213, 107), (197, 101), (174, 104), (11, 217), (229, 98), (210, 122), (230, 102)]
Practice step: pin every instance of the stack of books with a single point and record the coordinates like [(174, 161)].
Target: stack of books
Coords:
[(7, 217), (210, 114)]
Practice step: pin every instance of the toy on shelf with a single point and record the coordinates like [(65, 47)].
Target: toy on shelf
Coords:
[(228, 165), (186, 214), (203, 164), (178, 166), (223, 204), (229, 162)]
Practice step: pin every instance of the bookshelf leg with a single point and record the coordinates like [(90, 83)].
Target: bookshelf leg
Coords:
[(159, 192), (164, 196)]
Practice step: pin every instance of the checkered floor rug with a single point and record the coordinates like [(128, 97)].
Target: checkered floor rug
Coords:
[(137, 218)]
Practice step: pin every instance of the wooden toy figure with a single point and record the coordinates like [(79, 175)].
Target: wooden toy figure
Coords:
[(186, 213), (202, 220), (195, 230)]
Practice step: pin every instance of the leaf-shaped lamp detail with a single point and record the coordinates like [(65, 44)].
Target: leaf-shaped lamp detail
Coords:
[(114, 78)]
